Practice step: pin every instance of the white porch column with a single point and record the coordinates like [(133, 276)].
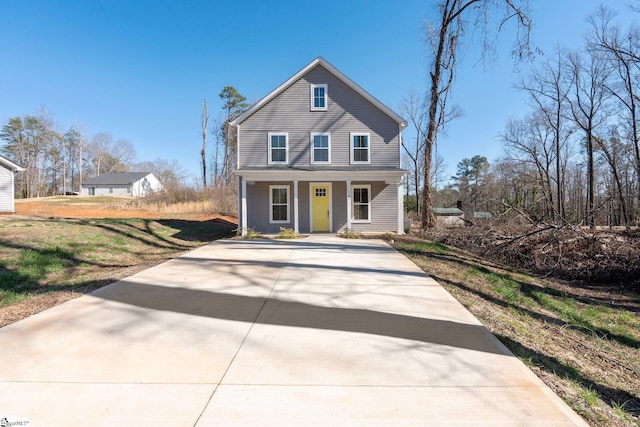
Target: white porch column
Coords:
[(243, 221), (296, 221), (349, 213), (400, 208)]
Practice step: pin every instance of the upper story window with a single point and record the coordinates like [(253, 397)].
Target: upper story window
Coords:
[(278, 148), (320, 148), (360, 144), (318, 97)]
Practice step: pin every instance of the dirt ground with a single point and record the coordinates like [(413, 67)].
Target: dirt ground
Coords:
[(112, 207)]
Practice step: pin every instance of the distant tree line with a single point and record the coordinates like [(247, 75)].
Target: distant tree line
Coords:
[(57, 162)]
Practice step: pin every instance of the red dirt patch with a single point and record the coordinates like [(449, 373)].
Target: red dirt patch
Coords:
[(117, 208)]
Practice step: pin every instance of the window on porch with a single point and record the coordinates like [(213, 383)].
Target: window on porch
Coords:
[(279, 204), (361, 200)]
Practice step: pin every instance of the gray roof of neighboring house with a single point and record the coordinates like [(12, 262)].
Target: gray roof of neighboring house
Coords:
[(447, 211), (10, 165), (116, 178)]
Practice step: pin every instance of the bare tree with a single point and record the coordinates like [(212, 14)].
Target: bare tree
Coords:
[(98, 149), (121, 156), (412, 108), (219, 137), (623, 50), (107, 156), (548, 87), (438, 171), (588, 105), (170, 172), (204, 121), (529, 147), (445, 35), (73, 142)]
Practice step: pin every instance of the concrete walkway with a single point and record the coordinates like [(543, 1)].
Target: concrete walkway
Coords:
[(313, 332)]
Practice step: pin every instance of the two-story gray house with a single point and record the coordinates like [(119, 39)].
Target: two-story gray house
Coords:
[(319, 154)]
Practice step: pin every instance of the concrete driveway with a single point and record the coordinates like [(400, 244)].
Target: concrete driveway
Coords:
[(313, 332)]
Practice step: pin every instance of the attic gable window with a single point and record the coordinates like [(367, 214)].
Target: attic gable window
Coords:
[(319, 97)]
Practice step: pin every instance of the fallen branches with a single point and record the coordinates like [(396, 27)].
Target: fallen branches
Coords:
[(564, 251)]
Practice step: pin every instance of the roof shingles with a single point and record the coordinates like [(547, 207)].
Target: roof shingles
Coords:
[(116, 178)]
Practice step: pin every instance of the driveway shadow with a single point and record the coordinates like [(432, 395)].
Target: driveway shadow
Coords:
[(280, 312)]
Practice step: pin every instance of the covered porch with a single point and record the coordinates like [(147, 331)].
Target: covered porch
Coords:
[(320, 201)]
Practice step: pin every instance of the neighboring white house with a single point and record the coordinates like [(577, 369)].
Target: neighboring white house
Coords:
[(135, 184), (7, 171)]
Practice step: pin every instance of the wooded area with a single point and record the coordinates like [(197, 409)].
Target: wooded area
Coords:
[(574, 158)]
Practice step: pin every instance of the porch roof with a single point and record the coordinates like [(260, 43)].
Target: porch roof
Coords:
[(359, 173)]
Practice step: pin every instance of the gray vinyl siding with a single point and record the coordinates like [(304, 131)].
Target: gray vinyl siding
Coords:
[(6, 190), (384, 208), (258, 207), (339, 205), (347, 112), (303, 206)]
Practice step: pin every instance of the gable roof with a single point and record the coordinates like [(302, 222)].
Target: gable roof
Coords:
[(116, 178), (10, 165), (333, 70)]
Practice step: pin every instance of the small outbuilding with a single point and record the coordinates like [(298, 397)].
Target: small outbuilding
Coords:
[(449, 217), (8, 170), (134, 184)]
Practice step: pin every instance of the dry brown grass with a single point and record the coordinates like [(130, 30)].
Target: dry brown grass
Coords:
[(581, 339), (220, 200)]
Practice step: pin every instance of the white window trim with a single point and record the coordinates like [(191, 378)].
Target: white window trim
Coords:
[(313, 160), (271, 188), (286, 146), (353, 204), (351, 148), (326, 97)]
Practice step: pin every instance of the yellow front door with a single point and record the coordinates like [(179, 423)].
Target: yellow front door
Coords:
[(320, 207)]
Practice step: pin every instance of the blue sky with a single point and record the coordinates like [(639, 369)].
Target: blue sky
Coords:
[(140, 69)]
